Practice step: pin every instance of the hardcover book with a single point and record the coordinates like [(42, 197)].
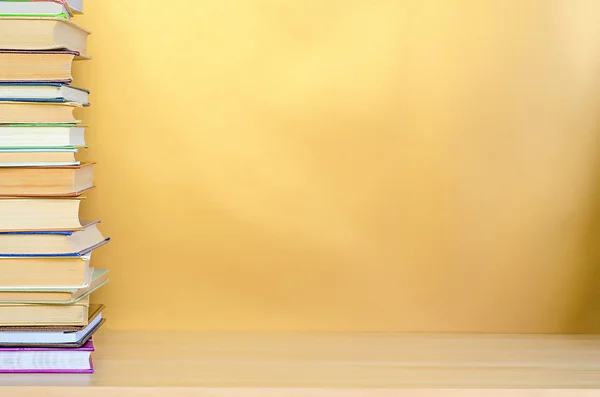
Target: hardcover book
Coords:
[(47, 360), (42, 92), (52, 156), (27, 136), (46, 181), (52, 243), (52, 336), (95, 310), (37, 112), (18, 214), (24, 273), (36, 66), (35, 8), (17, 33), (26, 315), (54, 295)]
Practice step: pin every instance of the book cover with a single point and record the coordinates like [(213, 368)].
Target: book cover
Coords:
[(12, 85), (42, 83), (38, 52), (69, 255), (42, 337), (88, 346)]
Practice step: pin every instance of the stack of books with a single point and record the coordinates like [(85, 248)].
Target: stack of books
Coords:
[(46, 277)]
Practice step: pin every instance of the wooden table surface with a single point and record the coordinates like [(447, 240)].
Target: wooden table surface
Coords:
[(333, 364)]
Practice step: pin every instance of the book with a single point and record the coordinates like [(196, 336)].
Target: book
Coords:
[(53, 243), (52, 295), (17, 33), (36, 66), (37, 157), (81, 300), (46, 181), (45, 272), (41, 135), (37, 8), (43, 92), (39, 213), (23, 315), (49, 337), (94, 311), (47, 360), (37, 112)]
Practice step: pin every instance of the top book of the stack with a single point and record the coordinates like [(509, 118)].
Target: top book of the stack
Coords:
[(41, 8)]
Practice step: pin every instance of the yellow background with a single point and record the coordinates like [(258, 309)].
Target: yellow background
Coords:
[(417, 165)]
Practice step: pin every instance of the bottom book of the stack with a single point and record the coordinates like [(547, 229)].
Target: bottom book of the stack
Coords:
[(47, 359)]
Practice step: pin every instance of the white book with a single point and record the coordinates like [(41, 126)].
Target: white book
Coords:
[(38, 157), (47, 92), (46, 361), (36, 8), (42, 136), (47, 337)]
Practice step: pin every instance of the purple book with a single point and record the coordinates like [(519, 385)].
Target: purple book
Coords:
[(47, 360)]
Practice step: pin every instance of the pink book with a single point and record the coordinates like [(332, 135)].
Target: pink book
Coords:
[(47, 360)]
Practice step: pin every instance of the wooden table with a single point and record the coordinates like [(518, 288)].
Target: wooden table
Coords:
[(326, 365)]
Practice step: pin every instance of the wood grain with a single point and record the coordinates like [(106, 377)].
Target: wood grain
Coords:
[(333, 364)]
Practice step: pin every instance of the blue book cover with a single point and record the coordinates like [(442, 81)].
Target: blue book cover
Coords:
[(42, 92), (39, 84), (55, 233), (69, 255), (86, 224)]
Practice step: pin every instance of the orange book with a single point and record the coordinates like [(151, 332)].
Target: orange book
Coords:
[(46, 66), (46, 181), (37, 112)]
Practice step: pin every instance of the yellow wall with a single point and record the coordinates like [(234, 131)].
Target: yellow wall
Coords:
[(346, 165)]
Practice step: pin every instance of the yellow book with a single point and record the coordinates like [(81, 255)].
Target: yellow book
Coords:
[(48, 66), (34, 214), (66, 180), (42, 34), (54, 296), (47, 315), (37, 112)]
